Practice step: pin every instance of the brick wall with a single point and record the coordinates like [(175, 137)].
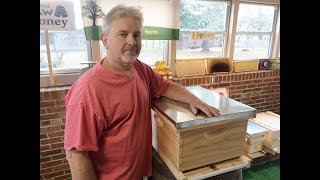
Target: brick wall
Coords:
[(53, 164), (258, 89)]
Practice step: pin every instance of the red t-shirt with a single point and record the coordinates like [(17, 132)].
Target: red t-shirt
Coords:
[(109, 115)]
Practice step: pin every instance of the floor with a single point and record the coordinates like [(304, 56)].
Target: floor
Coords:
[(267, 171)]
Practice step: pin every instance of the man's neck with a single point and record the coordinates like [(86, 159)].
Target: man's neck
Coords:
[(117, 66)]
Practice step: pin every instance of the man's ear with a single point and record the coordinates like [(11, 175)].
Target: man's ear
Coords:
[(104, 37)]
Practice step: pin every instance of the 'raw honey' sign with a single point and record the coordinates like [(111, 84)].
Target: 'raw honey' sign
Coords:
[(57, 15)]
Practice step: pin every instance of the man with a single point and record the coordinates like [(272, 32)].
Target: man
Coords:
[(108, 110)]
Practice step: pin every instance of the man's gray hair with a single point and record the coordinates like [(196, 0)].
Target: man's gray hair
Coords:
[(121, 11)]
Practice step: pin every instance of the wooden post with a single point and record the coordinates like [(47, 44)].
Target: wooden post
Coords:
[(95, 50), (49, 58)]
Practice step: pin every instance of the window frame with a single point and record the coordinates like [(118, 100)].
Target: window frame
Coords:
[(67, 76), (274, 39)]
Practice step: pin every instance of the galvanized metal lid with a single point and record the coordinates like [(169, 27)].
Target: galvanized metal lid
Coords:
[(181, 116)]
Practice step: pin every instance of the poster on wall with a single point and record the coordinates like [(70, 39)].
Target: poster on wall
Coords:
[(57, 15), (161, 17)]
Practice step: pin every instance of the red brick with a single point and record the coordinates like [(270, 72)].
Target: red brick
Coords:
[(64, 177), (45, 123), (67, 171), (43, 111), (58, 94), (219, 78), (255, 97), (57, 145), (247, 82), (56, 134), (228, 78), (49, 116), (56, 109), (243, 77), (224, 78), (49, 129), (257, 81), (43, 136), (46, 170), (183, 82), (57, 122), (44, 104), (252, 85), (51, 164), (50, 152), (260, 101), (45, 148), (46, 95), (241, 87), (60, 102), (59, 156), (236, 83), (232, 77), (61, 167), (45, 159), (54, 174), (51, 141), (236, 76), (246, 90), (258, 75), (41, 97)]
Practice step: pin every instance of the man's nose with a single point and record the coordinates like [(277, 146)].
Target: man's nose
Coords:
[(131, 40)]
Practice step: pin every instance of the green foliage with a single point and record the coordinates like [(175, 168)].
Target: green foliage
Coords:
[(204, 15)]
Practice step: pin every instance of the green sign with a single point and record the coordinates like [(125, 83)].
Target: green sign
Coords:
[(93, 32), (147, 33), (159, 33)]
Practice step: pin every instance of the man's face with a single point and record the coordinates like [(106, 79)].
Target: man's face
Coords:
[(123, 40)]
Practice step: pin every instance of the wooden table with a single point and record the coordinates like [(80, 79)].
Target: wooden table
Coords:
[(89, 63)]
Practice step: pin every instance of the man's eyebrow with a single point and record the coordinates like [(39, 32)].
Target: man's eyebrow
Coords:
[(122, 31)]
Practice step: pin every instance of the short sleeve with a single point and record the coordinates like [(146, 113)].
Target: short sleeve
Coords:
[(83, 128)]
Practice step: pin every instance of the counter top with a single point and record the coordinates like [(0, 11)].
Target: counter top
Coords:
[(181, 116)]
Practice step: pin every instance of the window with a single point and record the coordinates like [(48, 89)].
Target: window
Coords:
[(67, 48), (202, 16), (255, 31), (153, 50)]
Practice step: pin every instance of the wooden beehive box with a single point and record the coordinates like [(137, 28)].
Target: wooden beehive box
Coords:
[(271, 122), (190, 141), (190, 67), (254, 138), (214, 61), (250, 65)]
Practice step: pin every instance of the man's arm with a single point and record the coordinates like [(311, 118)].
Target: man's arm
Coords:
[(80, 165), (180, 93)]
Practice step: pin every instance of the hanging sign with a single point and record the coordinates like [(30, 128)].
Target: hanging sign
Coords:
[(57, 15), (161, 17), (202, 35)]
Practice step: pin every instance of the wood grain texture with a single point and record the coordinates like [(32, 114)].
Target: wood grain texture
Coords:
[(200, 145)]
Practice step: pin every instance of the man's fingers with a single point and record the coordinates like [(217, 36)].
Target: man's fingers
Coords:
[(194, 110), (209, 111), (215, 112)]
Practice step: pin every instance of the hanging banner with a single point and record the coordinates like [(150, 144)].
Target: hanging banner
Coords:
[(57, 15), (161, 17)]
